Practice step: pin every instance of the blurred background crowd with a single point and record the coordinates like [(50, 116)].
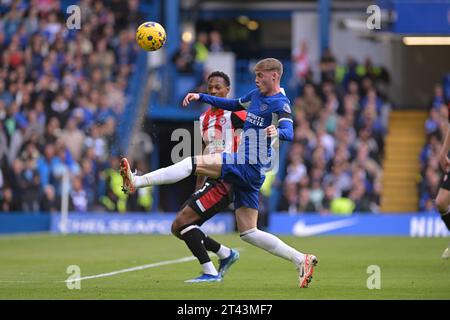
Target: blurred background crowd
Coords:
[(63, 93), (436, 127)]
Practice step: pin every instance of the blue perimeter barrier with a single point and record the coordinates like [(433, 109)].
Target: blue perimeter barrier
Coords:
[(24, 222), (411, 224), (132, 223)]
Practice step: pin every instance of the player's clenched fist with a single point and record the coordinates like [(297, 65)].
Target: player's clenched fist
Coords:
[(190, 97), (272, 131)]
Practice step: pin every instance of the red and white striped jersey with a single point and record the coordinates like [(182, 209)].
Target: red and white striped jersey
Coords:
[(218, 130)]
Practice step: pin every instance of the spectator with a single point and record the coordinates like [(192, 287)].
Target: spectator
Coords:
[(365, 136), (291, 194), (78, 196), (133, 14), (49, 202), (184, 58), (310, 103), (89, 180), (432, 123), (340, 177), (301, 62), (330, 194), (316, 193), (358, 194), (201, 48), (327, 66), (305, 203), (73, 139), (351, 74), (8, 203), (30, 187), (438, 98), (295, 172), (215, 42)]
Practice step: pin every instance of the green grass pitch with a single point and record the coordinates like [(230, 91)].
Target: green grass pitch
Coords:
[(34, 267)]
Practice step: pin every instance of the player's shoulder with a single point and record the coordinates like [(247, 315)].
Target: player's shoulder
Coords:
[(252, 93), (282, 103), (205, 113)]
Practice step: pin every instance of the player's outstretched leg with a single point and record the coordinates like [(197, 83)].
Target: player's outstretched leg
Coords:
[(443, 206), (167, 175), (246, 220), (207, 165)]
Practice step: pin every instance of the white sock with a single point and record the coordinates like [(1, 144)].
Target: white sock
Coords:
[(274, 245), (167, 175), (209, 268), (223, 252)]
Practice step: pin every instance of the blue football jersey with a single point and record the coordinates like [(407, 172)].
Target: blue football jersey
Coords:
[(262, 111)]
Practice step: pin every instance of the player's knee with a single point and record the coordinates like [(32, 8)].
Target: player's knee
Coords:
[(176, 226), (442, 204), (183, 218)]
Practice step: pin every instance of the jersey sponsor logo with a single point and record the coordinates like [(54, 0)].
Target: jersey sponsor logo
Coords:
[(287, 108), (254, 119)]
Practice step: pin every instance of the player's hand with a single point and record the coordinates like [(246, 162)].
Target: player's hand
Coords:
[(272, 131), (190, 97), (444, 161)]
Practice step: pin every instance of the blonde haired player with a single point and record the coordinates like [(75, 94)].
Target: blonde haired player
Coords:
[(245, 168)]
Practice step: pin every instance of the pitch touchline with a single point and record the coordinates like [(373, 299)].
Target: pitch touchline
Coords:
[(145, 266)]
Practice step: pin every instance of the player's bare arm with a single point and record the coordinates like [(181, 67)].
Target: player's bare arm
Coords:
[(443, 155)]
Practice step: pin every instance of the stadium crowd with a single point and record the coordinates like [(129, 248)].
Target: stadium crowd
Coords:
[(436, 127), (335, 162), (61, 94)]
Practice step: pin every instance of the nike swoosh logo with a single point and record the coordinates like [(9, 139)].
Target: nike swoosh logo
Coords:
[(302, 230)]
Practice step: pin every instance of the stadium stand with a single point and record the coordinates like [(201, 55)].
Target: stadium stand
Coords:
[(436, 127), (335, 163), (62, 94)]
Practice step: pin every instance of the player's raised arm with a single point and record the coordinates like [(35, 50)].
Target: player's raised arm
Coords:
[(190, 97), (221, 103)]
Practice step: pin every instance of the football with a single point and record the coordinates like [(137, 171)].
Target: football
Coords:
[(150, 36)]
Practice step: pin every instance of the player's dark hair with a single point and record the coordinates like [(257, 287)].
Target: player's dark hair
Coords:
[(222, 75)]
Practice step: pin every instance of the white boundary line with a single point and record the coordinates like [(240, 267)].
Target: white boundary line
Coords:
[(113, 273), (145, 266)]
